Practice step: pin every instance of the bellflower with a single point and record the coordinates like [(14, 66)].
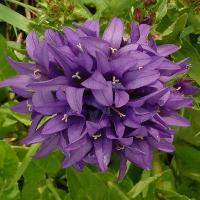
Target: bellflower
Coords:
[(100, 95)]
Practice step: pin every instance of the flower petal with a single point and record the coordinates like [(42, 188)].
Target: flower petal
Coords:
[(166, 49), (32, 43), (95, 81), (75, 98), (114, 33), (104, 96), (137, 79), (77, 155), (54, 125), (93, 45), (103, 150), (121, 98)]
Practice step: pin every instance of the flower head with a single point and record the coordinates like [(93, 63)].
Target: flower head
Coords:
[(100, 94)]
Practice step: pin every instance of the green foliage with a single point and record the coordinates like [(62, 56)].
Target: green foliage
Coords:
[(174, 177)]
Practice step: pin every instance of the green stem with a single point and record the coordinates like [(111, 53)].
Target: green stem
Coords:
[(25, 163), (53, 190), (25, 5), (156, 166)]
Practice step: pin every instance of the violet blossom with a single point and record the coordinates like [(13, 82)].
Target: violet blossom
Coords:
[(102, 95)]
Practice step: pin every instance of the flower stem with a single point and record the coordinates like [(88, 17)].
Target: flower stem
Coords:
[(25, 163), (157, 168)]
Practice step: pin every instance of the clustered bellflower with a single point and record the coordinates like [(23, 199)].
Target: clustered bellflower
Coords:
[(101, 94)]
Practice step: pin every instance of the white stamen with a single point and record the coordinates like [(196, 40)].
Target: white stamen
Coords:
[(113, 50), (119, 147), (121, 115), (140, 137), (114, 80), (29, 106), (37, 73), (76, 75), (140, 67), (79, 46), (96, 136), (178, 88), (65, 118)]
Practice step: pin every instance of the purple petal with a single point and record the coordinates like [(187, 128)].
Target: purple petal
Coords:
[(82, 140), (135, 32), (104, 96), (21, 67), (21, 107), (121, 98), (54, 125), (93, 127), (173, 119), (90, 28), (93, 45), (41, 55), (162, 145), (53, 37), (166, 49), (144, 31), (44, 103), (75, 129), (177, 101), (140, 160), (32, 43), (114, 33), (71, 36), (85, 61), (96, 81), (47, 146), (62, 59), (103, 64), (20, 81), (137, 79), (121, 65), (77, 155), (52, 84), (119, 128), (34, 124), (75, 98), (103, 150), (122, 167)]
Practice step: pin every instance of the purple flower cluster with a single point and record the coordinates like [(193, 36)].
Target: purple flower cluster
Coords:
[(100, 95)]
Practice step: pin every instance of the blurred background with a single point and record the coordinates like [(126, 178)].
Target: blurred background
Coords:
[(173, 177)]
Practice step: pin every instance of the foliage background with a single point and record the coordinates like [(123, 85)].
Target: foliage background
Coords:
[(173, 176)]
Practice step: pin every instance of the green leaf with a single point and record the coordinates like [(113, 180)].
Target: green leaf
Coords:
[(91, 185), (188, 50), (10, 16), (142, 184), (5, 70), (25, 163), (161, 11), (188, 161), (8, 161), (191, 134), (171, 34), (173, 195), (23, 118)]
